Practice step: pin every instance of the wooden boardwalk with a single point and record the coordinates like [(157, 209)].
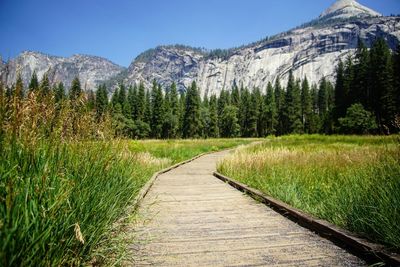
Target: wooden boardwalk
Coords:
[(190, 218)]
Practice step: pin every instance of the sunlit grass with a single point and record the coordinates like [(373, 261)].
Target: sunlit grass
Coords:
[(351, 181), (59, 200)]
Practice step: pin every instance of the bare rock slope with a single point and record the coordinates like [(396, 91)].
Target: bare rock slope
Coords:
[(91, 70)]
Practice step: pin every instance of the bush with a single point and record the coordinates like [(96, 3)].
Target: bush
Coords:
[(357, 121)]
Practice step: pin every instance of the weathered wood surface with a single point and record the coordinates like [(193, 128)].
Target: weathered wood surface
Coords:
[(190, 218)]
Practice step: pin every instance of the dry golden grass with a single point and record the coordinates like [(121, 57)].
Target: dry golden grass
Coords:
[(351, 181)]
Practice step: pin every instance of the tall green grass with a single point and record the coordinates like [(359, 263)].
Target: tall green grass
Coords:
[(64, 181), (351, 181), (49, 190)]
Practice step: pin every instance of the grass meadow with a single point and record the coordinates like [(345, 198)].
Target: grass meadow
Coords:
[(59, 201), (351, 181)]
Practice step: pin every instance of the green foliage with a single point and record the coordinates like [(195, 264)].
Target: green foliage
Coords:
[(213, 129), (141, 103), (91, 100), (271, 111), (19, 88), (357, 121), (44, 87), (59, 92), (191, 120), (101, 102), (325, 106), (75, 91), (293, 115), (371, 79), (34, 83), (340, 93), (157, 111), (229, 122), (252, 115), (280, 104), (245, 102), (306, 107)]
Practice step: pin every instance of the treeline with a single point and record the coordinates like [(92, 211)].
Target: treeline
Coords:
[(370, 81), (46, 112), (364, 99)]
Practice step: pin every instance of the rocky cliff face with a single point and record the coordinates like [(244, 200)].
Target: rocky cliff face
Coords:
[(90, 69), (312, 50)]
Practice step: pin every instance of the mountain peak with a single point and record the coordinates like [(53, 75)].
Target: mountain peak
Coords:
[(347, 9)]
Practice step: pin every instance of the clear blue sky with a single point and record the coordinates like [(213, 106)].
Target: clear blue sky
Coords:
[(121, 29)]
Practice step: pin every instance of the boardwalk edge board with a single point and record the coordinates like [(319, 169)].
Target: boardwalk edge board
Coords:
[(359, 246)]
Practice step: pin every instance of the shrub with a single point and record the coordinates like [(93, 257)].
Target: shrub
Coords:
[(357, 121)]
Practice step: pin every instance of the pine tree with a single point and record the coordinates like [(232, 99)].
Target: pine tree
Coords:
[(205, 120), (325, 105), (306, 106), (173, 113), (245, 103), (91, 100), (140, 103), (222, 101), (360, 89), (171, 121), (271, 113), (253, 112), (340, 93), (34, 83), (205, 101), (182, 109), (315, 125), (101, 101), (213, 130), (292, 117), (381, 82), (157, 110), (396, 80), (132, 98), (323, 97), (348, 82), (174, 101), (19, 88), (280, 104), (114, 99), (260, 109), (59, 93), (229, 125), (235, 96), (75, 92), (121, 94), (44, 87), (191, 121), (147, 110), (3, 106)]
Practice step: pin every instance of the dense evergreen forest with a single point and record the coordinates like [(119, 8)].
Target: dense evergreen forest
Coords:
[(364, 99)]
